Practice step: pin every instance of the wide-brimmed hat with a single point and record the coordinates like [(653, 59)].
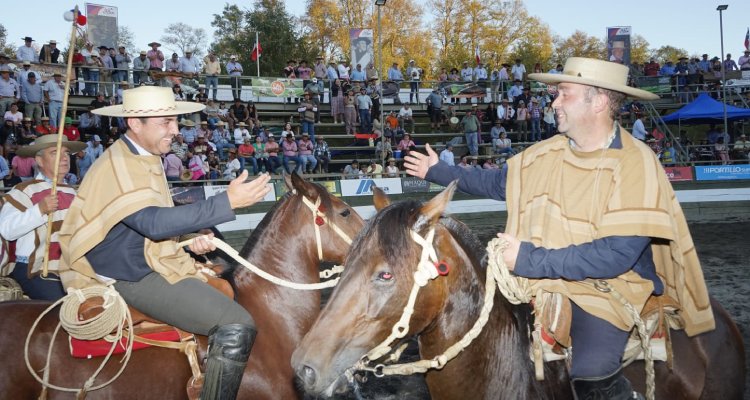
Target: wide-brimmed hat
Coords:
[(187, 122), (186, 175), (597, 73), (45, 141), (154, 43), (149, 101), (618, 44)]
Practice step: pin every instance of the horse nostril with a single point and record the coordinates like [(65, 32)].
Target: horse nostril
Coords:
[(308, 376)]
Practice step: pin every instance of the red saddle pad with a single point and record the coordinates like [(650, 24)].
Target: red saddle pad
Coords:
[(100, 348)]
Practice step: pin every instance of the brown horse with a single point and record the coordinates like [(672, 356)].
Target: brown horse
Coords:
[(374, 289), (283, 244)]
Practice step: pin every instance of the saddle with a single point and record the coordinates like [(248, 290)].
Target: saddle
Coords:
[(659, 314), (148, 331)]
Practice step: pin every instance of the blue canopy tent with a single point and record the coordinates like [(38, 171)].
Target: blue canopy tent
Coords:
[(705, 110)]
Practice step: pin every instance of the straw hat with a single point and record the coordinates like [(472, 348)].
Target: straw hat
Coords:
[(149, 101), (186, 175), (187, 122), (597, 73), (45, 141)]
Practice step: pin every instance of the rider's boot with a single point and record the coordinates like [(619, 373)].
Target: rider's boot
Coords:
[(228, 349), (613, 387)]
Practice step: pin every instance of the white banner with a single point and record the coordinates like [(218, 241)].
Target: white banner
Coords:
[(212, 190), (363, 187)]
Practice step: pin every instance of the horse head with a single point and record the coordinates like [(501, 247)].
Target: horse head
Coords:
[(381, 272)]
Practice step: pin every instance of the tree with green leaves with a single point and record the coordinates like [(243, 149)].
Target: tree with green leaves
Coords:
[(5, 48), (580, 44), (180, 37)]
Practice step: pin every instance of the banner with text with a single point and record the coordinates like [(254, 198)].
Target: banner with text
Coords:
[(722, 172), (363, 187), (102, 25), (212, 190), (277, 87), (679, 174), (618, 44)]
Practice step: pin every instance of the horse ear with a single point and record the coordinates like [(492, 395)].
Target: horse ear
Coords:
[(379, 198), (302, 186), (434, 209), (287, 180)]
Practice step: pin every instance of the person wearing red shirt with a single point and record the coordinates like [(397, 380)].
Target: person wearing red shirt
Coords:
[(246, 154), (70, 131), (44, 128), (78, 60)]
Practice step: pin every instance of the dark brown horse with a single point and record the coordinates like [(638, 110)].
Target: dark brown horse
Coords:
[(374, 289), (283, 244)]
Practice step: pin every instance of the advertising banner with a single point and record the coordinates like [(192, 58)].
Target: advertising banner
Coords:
[(331, 186), (212, 190), (722, 172), (363, 187), (277, 87), (415, 185), (463, 90), (187, 194), (102, 25), (679, 174), (361, 47), (618, 44)]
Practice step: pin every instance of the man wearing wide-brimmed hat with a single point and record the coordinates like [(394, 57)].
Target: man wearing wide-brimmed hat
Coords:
[(155, 57), (591, 203), (26, 52), (24, 217), (122, 228)]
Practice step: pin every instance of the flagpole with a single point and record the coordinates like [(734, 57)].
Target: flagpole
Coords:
[(257, 49)]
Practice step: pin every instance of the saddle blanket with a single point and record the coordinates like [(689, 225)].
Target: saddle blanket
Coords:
[(100, 348)]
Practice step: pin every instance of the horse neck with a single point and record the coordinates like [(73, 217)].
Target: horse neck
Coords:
[(286, 252), (497, 362)]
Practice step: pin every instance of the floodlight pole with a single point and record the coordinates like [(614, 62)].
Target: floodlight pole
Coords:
[(383, 152), (721, 8)]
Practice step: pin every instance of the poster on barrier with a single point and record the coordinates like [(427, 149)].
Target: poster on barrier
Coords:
[(277, 87), (722, 172), (415, 185), (331, 186), (363, 187), (618, 44), (679, 174), (212, 190)]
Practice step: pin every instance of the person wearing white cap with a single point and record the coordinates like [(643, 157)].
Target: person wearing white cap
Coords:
[(95, 147), (413, 73), (592, 203), (24, 216), (141, 65), (10, 91), (133, 243), (234, 69)]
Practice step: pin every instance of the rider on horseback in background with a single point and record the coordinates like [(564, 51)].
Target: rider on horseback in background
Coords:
[(121, 229), (589, 210)]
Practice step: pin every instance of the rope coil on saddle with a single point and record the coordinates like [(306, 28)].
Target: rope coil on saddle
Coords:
[(114, 317)]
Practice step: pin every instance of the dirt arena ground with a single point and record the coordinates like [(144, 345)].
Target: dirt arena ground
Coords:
[(725, 256)]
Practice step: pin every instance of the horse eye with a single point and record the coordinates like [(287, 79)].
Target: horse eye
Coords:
[(385, 276), (345, 213)]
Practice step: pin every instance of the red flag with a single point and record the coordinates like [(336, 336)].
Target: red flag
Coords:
[(256, 51), (747, 39)]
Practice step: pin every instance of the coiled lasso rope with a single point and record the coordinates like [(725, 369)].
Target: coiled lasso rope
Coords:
[(518, 290), (114, 317)]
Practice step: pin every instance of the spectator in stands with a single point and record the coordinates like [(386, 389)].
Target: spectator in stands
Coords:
[(391, 124), (234, 69), (322, 154), (352, 170), (343, 70), (447, 155), (272, 149), (260, 154), (652, 68), (471, 128), (435, 108), (668, 154), (350, 112), (200, 146), (172, 64), (287, 130), (394, 74), (222, 138), (391, 170), (179, 147), (214, 166), (14, 115), (27, 134), (88, 122), (155, 57), (307, 160), (506, 114), (188, 131), (309, 110), (522, 116), (44, 128), (320, 73), (414, 73), (9, 135), (639, 130), (246, 155), (371, 72), (22, 167), (406, 118), (233, 166), (336, 97), (503, 145), (495, 131), (741, 148), (515, 91), (518, 70), (549, 119), (32, 95), (172, 166), (729, 64), (195, 165), (722, 151), (107, 68), (189, 65), (480, 76), (364, 104), (358, 74), (54, 90), (122, 63), (467, 73), (141, 66), (535, 115), (237, 113), (49, 53), (374, 170), (204, 130), (744, 61), (95, 65), (83, 160), (4, 168), (291, 153), (384, 148), (70, 131), (212, 69), (26, 52), (488, 164), (240, 133), (406, 145)]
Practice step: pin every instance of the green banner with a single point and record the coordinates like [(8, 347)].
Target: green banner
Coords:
[(277, 87)]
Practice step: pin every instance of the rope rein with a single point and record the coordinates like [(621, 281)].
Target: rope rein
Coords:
[(115, 317)]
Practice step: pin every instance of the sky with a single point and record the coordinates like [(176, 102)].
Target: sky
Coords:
[(689, 24)]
